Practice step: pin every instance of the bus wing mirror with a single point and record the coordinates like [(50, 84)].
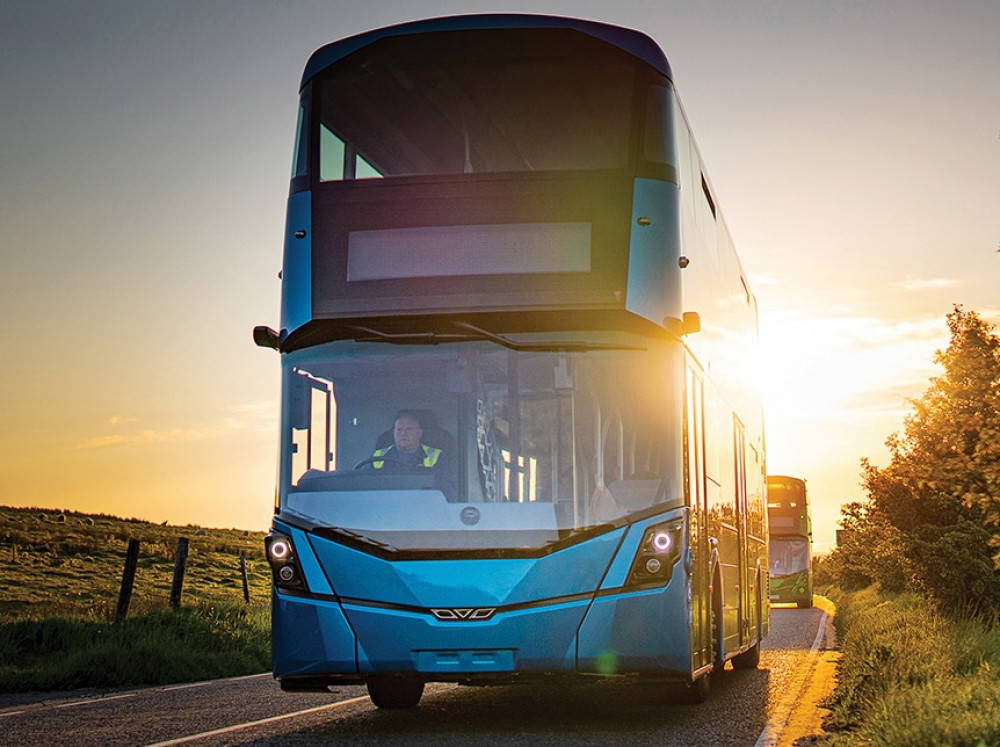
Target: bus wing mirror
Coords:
[(688, 324), (265, 337)]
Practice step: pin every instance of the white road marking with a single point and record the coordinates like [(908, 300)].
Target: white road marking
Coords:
[(85, 699), (186, 685), (249, 724), (772, 730), (91, 701)]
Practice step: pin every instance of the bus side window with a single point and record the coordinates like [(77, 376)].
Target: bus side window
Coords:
[(310, 423)]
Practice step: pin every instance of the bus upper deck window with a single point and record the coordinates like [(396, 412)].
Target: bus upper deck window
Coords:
[(300, 163), (339, 161), (658, 140)]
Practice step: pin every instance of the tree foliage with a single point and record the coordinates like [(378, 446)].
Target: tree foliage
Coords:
[(932, 518)]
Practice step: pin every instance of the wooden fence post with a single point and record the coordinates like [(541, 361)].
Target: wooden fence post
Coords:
[(246, 584), (128, 579), (180, 565)]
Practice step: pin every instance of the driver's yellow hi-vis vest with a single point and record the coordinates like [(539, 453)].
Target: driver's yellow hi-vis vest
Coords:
[(430, 456)]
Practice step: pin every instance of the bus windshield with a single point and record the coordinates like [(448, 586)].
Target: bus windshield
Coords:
[(517, 448), (789, 556), (481, 101), (786, 495)]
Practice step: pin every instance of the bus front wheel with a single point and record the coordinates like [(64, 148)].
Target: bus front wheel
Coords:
[(395, 692), (697, 692), (749, 659)]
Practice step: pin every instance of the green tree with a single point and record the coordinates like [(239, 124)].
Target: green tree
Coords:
[(871, 550), (933, 513)]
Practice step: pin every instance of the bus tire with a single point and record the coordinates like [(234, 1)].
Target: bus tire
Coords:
[(395, 692), (750, 659), (696, 692)]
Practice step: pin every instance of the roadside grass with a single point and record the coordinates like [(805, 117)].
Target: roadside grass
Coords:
[(159, 647), (60, 576), (911, 675)]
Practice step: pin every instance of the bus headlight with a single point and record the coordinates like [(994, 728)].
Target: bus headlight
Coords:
[(658, 553), (280, 549), (662, 541), (284, 564)]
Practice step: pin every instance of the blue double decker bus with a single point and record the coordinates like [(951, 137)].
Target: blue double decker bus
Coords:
[(518, 434)]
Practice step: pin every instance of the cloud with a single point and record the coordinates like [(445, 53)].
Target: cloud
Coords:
[(990, 314), (881, 334), (847, 368), (759, 280), (260, 409), (918, 284), (259, 416), (166, 436)]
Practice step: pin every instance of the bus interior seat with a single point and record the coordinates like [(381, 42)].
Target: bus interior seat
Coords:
[(603, 506)]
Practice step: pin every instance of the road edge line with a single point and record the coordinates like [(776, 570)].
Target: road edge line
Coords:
[(775, 725)]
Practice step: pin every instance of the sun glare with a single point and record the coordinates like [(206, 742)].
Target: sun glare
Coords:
[(841, 384), (846, 368)]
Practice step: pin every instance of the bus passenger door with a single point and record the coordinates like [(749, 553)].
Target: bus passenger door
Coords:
[(740, 500), (694, 438)]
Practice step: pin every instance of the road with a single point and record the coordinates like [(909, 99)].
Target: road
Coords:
[(253, 711)]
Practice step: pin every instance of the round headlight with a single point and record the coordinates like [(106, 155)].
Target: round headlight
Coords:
[(653, 566), (286, 573), (662, 541), (280, 549)]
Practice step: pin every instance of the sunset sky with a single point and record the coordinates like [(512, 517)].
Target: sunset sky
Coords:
[(145, 148)]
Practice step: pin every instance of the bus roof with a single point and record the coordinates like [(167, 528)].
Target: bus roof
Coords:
[(634, 42)]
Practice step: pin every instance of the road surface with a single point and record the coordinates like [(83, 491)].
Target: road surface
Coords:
[(745, 708)]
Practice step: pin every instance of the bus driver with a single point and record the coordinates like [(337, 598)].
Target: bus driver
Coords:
[(407, 447)]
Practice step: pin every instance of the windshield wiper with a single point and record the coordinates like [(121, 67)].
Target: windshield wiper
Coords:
[(356, 537), (568, 346), (415, 338), (478, 333)]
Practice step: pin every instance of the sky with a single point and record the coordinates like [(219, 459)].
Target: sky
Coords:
[(145, 148)]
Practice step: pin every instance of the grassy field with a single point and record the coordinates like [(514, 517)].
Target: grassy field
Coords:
[(60, 576), (911, 675), (63, 563)]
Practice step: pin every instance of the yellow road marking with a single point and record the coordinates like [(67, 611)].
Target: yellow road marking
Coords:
[(798, 714)]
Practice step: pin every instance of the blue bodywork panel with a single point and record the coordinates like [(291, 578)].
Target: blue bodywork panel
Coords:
[(645, 631), (316, 579), (539, 639), (563, 612), (296, 272), (575, 570), (654, 281), (310, 636)]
